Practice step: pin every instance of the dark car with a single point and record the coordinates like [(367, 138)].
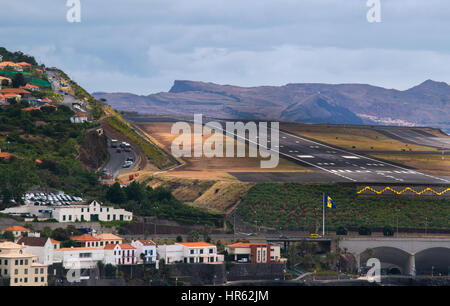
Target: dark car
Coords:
[(118, 150)]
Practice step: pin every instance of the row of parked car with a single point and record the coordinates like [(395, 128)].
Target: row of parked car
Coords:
[(49, 199)]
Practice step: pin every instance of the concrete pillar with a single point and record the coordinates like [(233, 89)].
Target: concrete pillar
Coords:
[(358, 260), (412, 265)]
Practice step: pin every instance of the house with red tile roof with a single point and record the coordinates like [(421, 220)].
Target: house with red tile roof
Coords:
[(146, 250), (5, 65), (17, 230), (5, 155), (120, 254), (108, 238), (30, 87), (5, 81), (87, 241), (79, 118)]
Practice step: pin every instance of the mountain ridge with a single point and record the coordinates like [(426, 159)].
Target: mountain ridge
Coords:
[(424, 104)]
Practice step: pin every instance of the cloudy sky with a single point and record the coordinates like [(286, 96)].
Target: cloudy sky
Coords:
[(142, 46)]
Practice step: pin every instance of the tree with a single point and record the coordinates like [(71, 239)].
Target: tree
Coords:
[(16, 178), (60, 234), (18, 80), (115, 194), (8, 235), (179, 238), (206, 230), (364, 231), (193, 236), (46, 232), (110, 270), (341, 231), (388, 231)]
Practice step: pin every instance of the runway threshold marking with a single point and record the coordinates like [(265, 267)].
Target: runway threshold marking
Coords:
[(365, 157)]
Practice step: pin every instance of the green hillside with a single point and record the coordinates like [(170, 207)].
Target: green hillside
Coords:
[(293, 206)]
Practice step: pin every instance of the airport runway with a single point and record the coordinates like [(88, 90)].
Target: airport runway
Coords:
[(411, 135), (345, 166), (331, 164)]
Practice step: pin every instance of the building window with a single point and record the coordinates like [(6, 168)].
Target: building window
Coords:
[(201, 251), (42, 279), (17, 262), (192, 251), (211, 251), (36, 271), (26, 261), (16, 271), (15, 280), (42, 270), (6, 261), (21, 262), (36, 279), (26, 271), (25, 280), (64, 218)]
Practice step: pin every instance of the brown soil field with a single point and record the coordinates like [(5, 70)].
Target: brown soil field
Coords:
[(210, 168), (352, 138), (432, 163)]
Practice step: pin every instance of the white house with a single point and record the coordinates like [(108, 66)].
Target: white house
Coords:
[(199, 252), (42, 247), (79, 118), (189, 252), (92, 212), (79, 258), (17, 230), (120, 254), (170, 253), (146, 247)]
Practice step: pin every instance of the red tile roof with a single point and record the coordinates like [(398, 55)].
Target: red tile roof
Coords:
[(147, 242), (123, 246), (30, 108), (245, 245), (15, 91), (196, 244), (84, 237), (17, 228)]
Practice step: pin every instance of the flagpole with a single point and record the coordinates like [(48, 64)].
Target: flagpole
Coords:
[(323, 215)]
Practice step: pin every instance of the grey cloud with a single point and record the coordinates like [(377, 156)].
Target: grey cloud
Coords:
[(143, 45)]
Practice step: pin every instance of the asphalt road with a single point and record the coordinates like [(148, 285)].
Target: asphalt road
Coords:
[(343, 165), (410, 135), (116, 160), (67, 99)]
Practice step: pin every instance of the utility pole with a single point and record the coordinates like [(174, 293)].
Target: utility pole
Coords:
[(323, 216)]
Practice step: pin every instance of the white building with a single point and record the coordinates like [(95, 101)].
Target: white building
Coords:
[(91, 212), (147, 248), (79, 258), (170, 253), (79, 118), (120, 254), (189, 252), (42, 247)]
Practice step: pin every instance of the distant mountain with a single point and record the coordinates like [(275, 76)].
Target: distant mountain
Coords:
[(424, 104)]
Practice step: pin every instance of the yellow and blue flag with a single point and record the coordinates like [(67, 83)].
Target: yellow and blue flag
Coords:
[(328, 202)]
